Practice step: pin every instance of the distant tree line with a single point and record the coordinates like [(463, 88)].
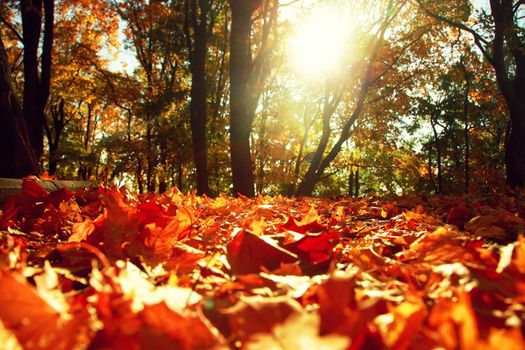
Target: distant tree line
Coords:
[(430, 97)]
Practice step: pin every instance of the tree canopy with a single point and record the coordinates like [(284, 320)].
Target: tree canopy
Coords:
[(266, 96)]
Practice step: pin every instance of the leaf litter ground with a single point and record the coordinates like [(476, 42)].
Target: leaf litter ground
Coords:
[(107, 269)]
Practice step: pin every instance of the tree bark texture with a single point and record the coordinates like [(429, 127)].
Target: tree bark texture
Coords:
[(196, 28), (513, 89), (241, 98), (16, 157), (36, 82)]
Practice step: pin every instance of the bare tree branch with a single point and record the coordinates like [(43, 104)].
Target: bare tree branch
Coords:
[(11, 28)]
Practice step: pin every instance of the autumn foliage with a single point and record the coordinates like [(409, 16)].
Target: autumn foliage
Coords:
[(106, 269)]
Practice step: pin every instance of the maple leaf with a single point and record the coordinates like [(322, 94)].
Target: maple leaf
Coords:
[(500, 225), (299, 331), (303, 226), (81, 231), (407, 282), (456, 322), (341, 312), (315, 249), (32, 189), (184, 258), (158, 327), (129, 230), (33, 321), (46, 177), (248, 253), (118, 225), (505, 339), (159, 241), (404, 322), (459, 215), (252, 315)]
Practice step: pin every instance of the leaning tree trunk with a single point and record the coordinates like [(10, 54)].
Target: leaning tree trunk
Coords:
[(320, 162), (512, 88), (16, 157), (241, 111), (507, 45)]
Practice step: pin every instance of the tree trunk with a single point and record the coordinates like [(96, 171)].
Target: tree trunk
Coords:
[(163, 166), (16, 157), (512, 89), (351, 182), (438, 157), (515, 155), (36, 84), (262, 146), (180, 175), (54, 134), (357, 184), (150, 187), (140, 181), (430, 170), (320, 162), (515, 150), (466, 129), (312, 175), (53, 159), (507, 45), (241, 99), (198, 107)]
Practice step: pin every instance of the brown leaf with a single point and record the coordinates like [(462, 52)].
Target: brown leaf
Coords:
[(500, 225)]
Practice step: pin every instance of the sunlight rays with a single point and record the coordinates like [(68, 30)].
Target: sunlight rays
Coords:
[(319, 43)]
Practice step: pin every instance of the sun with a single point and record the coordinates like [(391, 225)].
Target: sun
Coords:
[(318, 44)]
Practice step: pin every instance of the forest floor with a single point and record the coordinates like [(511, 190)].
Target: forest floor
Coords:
[(106, 269)]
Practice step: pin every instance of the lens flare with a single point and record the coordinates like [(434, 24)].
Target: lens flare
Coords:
[(319, 44)]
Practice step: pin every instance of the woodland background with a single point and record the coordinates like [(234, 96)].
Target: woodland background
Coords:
[(272, 101), (202, 95)]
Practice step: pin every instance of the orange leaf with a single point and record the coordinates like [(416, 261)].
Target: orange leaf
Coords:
[(33, 321), (247, 253)]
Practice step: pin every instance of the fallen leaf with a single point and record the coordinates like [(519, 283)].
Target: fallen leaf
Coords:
[(252, 315), (248, 253), (299, 331)]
